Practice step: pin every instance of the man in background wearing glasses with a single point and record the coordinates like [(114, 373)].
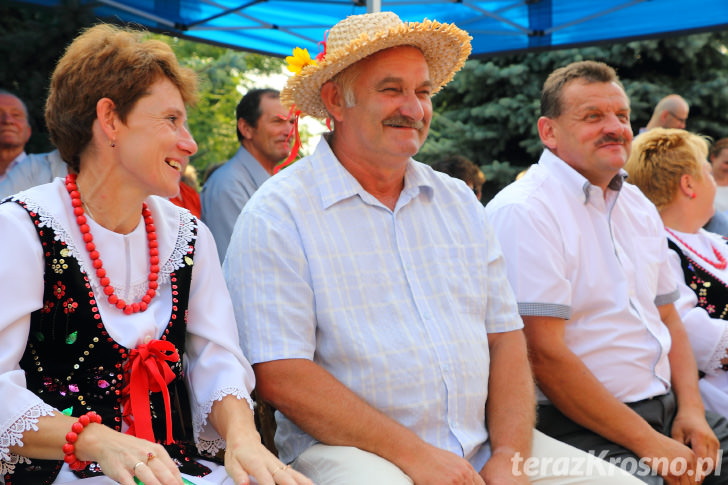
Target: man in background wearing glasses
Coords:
[(671, 112)]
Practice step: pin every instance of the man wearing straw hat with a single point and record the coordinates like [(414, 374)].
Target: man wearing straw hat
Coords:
[(370, 292)]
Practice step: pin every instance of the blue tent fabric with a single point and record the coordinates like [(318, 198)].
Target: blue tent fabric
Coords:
[(275, 27)]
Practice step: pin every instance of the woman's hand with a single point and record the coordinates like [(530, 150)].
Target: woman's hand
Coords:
[(247, 457), (123, 457)]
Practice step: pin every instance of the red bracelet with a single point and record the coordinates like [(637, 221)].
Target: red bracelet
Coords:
[(72, 436)]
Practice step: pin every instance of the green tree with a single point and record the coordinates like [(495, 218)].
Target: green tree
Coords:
[(488, 112), (31, 42)]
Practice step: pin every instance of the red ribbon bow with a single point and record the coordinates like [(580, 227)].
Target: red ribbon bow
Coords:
[(322, 52), (147, 371), (296, 113)]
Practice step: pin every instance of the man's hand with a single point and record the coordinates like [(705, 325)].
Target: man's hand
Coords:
[(693, 430), (434, 466), (671, 459), (501, 469)]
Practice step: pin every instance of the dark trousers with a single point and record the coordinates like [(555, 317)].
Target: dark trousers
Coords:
[(659, 412)]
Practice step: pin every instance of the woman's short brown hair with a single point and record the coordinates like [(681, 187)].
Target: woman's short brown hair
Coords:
[(660, 157), (718, 147), (106, 61)]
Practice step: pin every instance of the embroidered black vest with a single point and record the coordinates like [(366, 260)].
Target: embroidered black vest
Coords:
[(72, 363), (712, 293)]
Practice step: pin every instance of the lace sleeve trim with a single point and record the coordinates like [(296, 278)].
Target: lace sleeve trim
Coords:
[(199, 419), (14, 435), (720, 353), (185, 235)]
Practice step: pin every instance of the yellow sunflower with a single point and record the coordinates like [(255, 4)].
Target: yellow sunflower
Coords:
[(300, 59)]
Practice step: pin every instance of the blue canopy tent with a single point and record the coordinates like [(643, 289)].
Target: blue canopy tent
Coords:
[(275, 27)]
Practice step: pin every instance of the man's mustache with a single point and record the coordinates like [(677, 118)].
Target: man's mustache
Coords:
[(403, 121), (611, 139)]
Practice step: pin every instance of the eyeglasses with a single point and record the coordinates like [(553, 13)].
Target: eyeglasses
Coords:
[(681, 120)]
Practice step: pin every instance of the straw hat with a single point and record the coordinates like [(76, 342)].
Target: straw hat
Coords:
[(445, 47)]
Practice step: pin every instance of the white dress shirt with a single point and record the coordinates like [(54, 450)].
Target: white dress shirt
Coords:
[(601, 264)]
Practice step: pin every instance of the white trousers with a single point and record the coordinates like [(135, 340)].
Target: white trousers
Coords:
[(552, 463)]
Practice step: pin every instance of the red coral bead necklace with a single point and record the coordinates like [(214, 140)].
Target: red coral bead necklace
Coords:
[(721, 264), (98, 265)]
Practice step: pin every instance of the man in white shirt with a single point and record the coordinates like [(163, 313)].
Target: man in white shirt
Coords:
[(587, 259), (14, 131)]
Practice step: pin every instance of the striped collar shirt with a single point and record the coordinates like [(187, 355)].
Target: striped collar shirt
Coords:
[(395, 304)]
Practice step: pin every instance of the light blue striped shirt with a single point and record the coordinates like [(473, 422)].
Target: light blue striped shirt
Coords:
[(395, 304)]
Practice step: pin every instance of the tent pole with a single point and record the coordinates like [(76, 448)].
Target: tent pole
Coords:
[(141, 13), (374, 6)]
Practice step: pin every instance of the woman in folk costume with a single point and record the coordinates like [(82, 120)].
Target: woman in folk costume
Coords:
[(120, 349), (670, 166)]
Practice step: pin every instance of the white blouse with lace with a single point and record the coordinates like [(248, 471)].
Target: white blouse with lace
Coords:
[(214, 364), (708, 336)]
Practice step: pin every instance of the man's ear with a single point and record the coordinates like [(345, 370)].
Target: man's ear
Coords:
[(547, 132), (245, 129), (664, 116), (333, 99), (107, 117)]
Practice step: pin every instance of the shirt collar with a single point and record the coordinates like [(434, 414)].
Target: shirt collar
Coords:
[(575, 181), (337, 184), (253, 166), (21, 156)]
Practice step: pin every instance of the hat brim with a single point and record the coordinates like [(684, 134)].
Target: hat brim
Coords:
[(444, 46)]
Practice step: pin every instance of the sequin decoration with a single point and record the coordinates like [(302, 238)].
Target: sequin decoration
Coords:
[(71, 338), (59, 290), (69, 306)]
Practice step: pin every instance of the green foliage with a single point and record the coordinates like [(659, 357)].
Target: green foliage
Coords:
[(488, 113), (224, 77)]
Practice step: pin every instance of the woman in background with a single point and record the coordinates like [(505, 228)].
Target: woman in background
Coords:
[(719, 161), (670, 166)]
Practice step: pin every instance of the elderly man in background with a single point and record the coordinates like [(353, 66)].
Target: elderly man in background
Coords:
[(14, 131), (670, 112), (379, 320)]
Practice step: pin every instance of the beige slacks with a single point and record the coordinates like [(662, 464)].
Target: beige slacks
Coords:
[(551, 463)]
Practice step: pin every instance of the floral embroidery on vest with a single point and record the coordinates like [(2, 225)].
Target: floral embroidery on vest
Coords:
[(73, 364)]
